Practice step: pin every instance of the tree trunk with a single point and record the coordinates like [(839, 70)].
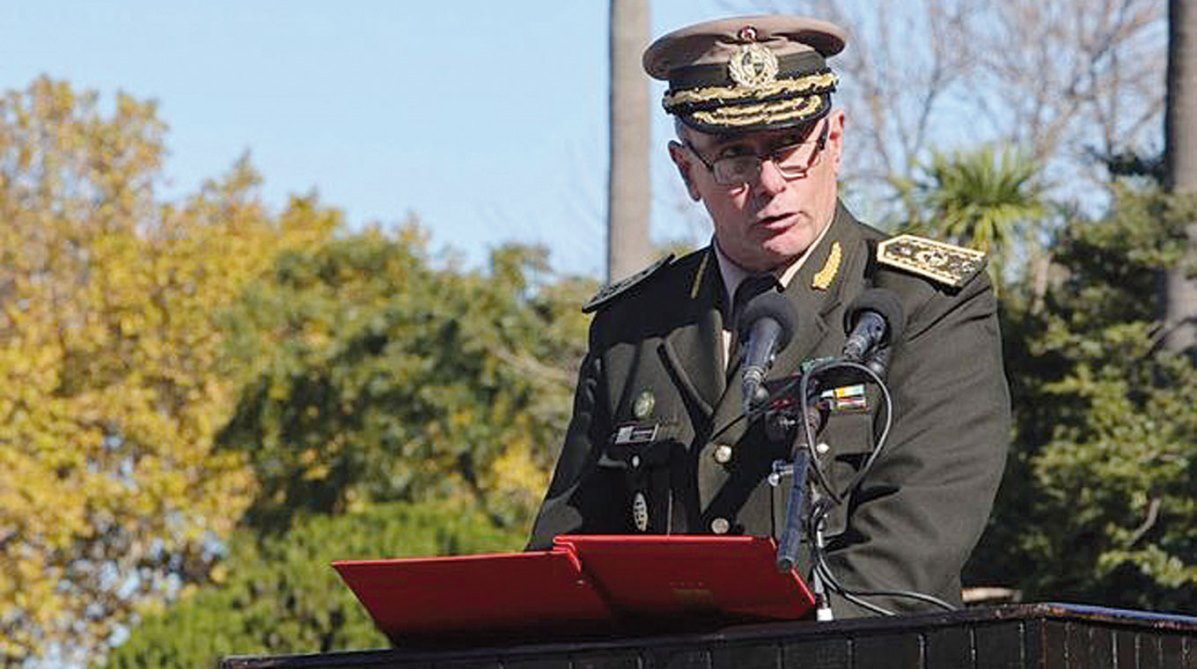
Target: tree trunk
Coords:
[(1180, 131), (628, 188)]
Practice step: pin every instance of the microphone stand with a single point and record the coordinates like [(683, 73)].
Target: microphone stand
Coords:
[(796, 506), (799, 469), (791, 537)]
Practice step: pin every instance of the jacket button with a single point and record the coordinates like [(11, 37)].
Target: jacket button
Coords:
[(723, 454), (720, 526)]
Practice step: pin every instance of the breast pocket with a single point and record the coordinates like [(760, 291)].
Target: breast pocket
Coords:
[(642, 454), (849, 441)]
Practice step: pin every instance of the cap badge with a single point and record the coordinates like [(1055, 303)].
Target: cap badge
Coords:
[(753, 66)]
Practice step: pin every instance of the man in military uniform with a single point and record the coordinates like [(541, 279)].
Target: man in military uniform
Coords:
[(658, 442)]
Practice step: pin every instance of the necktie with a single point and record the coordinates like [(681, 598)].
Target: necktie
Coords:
[(749, 288)]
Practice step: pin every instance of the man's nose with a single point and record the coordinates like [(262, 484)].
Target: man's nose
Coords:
[(770, 181)]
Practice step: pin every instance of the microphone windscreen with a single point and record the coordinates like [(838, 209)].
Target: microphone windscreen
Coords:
[(882, 301), (769, 304)]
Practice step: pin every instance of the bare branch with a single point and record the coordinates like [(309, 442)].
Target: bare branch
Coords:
[(1153, 513)]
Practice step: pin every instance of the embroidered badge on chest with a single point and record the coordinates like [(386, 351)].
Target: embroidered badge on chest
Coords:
[(640, 512), (643, 406)]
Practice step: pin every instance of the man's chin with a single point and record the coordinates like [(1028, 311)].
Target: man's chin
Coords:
[(785, 249), (771, 252)]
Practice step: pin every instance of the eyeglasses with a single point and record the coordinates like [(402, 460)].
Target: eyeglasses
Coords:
[(792, 160)]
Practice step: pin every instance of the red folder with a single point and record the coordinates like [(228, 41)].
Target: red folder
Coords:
[(587, 586), (714, 577), (478, 595)]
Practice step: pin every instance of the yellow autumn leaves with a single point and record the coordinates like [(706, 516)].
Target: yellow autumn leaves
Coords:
[(109, 387), (171, 370)]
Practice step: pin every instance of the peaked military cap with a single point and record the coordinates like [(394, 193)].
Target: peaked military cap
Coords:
[(747, 73)]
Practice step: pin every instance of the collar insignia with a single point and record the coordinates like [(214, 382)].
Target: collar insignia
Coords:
[(702, 268), (823, 279)]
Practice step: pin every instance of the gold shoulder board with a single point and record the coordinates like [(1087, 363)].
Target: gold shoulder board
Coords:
[(613, 290), (945, 263)]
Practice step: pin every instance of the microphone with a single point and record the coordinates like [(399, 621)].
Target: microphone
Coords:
[(873, 321), (767, 324)]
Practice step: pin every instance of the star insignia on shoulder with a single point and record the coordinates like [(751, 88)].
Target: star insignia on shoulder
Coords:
[(944, 263), (613, 290)]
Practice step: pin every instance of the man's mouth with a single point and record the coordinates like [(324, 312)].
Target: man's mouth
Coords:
[(775, 221)]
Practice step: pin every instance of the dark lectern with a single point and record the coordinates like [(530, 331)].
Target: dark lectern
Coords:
[(1048, 636)]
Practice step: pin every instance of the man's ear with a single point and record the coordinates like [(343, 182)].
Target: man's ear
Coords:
[(835, 136), (677, 153)]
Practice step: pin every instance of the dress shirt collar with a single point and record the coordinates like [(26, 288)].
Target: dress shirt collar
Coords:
[(734, 274)]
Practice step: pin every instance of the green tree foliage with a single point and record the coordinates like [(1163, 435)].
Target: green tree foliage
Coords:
[(142, 411), (1098, 504), (281, 596), (375, 376), (373, 379), (110, 396)]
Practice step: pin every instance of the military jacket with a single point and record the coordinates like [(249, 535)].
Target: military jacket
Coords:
[(655, 444)]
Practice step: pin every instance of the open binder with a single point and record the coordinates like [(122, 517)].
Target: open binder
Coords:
[(587, 586)]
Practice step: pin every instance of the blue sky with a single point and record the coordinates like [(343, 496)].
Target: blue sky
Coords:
[(485, 119)]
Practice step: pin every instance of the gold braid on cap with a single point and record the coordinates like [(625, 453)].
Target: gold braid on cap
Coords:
[(819, 82), (763, 113)]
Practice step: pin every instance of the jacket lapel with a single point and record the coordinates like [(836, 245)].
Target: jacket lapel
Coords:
[(694, 353), (730, 407)]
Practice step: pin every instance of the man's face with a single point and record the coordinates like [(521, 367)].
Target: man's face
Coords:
[(772, 220)]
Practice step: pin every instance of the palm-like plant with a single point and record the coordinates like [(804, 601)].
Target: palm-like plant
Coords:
[(985, 199), (982, 198)]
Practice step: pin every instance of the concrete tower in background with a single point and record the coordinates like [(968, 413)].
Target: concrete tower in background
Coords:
[(629, 190)]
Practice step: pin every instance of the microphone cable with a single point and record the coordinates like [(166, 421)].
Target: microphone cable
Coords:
[(856, 596), (834, 497)]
